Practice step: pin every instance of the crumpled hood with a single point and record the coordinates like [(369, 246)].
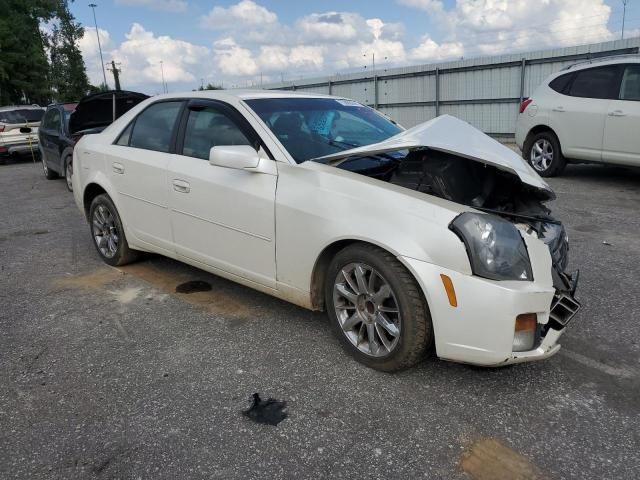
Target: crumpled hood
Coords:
[(452, 135)]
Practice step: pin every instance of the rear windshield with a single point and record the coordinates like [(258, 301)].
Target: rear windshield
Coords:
[(21, 115)]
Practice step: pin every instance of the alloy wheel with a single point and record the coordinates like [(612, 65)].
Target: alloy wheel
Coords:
[(367, 309), (541, 155), (105, 231)]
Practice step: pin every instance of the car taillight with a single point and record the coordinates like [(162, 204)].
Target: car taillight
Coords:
[(525, 103), (1, 128)]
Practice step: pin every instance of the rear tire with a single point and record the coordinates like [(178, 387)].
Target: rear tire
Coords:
[(107, 233), (542, 151), (68, 172), (48, 173), (400, 340)]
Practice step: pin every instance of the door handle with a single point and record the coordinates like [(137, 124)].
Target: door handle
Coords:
[(559, 109), (118, 168), (181, 186), (617, 113)]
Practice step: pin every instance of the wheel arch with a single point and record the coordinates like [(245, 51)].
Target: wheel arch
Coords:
[(540, 128), (319, 272), (67, 152), (91, 191)]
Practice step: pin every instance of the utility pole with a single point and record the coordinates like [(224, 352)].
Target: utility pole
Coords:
[(164, 85), (624, 15), (116, 73), (95, 22)]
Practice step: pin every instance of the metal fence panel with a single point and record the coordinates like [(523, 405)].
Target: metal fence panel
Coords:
[(483, 91)]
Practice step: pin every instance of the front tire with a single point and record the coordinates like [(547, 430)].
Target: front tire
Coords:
[(377, 309), (108, 234), (542, 151)]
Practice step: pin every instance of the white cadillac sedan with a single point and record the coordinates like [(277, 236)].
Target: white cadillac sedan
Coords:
[(430, 240)]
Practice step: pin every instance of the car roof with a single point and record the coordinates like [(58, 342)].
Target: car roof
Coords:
[(243, 94), (20, 107), (603, 61)]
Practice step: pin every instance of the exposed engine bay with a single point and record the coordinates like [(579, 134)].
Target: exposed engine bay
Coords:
[(485, 188), (469, 182)]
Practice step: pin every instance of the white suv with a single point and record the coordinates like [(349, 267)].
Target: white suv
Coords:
[(587, 112)]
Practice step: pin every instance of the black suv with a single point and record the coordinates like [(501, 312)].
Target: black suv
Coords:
[(64, 124), (55, 141)]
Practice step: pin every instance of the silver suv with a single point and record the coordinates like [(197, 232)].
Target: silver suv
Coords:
[(19, 130), (587, 112)]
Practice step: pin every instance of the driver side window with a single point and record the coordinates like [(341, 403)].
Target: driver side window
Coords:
[(208, 127)]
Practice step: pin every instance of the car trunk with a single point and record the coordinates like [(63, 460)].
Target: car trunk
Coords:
[(96, 112)]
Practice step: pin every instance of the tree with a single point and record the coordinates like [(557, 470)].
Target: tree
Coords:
[(24, 69), (209, 86), (68, 72)]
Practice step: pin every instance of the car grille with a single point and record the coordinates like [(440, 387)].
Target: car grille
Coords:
[(555, 237)]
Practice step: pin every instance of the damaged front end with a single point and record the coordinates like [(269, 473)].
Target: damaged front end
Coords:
[(449, 159)]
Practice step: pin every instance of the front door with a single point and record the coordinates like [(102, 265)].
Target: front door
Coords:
[(137, 164), (621, 143), (222, 217), (49, 133)]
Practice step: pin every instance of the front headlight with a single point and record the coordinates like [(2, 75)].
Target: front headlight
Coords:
[(494, 245)]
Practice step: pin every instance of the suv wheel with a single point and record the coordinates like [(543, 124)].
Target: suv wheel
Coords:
[(108, 234), (68, 173), (543, 153), (376, 309)]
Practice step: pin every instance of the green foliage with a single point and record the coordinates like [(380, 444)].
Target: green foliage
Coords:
[(68, 73), (209, 86), (24, 67), (27, 75)]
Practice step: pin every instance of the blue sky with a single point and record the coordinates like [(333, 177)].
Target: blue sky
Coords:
[(239, 42)]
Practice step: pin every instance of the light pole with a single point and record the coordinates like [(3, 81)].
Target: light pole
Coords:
[(164, 85), (104, 74), (624, 14)]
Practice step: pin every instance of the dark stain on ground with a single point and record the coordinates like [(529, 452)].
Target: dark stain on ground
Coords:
[(24, 233), (193, 286), (270, 411)]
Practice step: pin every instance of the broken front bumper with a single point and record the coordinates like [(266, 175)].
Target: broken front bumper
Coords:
[(480, 329)]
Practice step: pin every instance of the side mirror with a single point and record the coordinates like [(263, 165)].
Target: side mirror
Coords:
[(239, 157)]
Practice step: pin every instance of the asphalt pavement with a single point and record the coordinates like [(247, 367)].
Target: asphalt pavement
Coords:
[(109, 373)]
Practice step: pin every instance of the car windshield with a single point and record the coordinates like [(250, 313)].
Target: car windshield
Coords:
[(313, 127), (21, 115)]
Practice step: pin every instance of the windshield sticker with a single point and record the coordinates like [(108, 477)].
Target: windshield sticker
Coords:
[(349, 103)]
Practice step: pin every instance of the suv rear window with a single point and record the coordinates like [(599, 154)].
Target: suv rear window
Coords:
[(601, 82), (21, 115), (560, 84)]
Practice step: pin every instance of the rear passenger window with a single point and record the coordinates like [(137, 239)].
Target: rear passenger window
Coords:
[(207, 128), (601, 82), (561, 83), (630, 88), (153, 128)]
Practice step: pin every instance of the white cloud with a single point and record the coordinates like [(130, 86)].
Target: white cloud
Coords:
[(168, 5), (430, 51), (88, 45), (244, 13), (234, 60), (487, 27)]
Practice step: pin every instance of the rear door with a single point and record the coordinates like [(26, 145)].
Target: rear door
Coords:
[(222, 217), (578, 117), (621, 143), (49, 134), (137, 164)]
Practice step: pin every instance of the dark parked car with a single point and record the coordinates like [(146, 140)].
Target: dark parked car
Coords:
[(65, 123)]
